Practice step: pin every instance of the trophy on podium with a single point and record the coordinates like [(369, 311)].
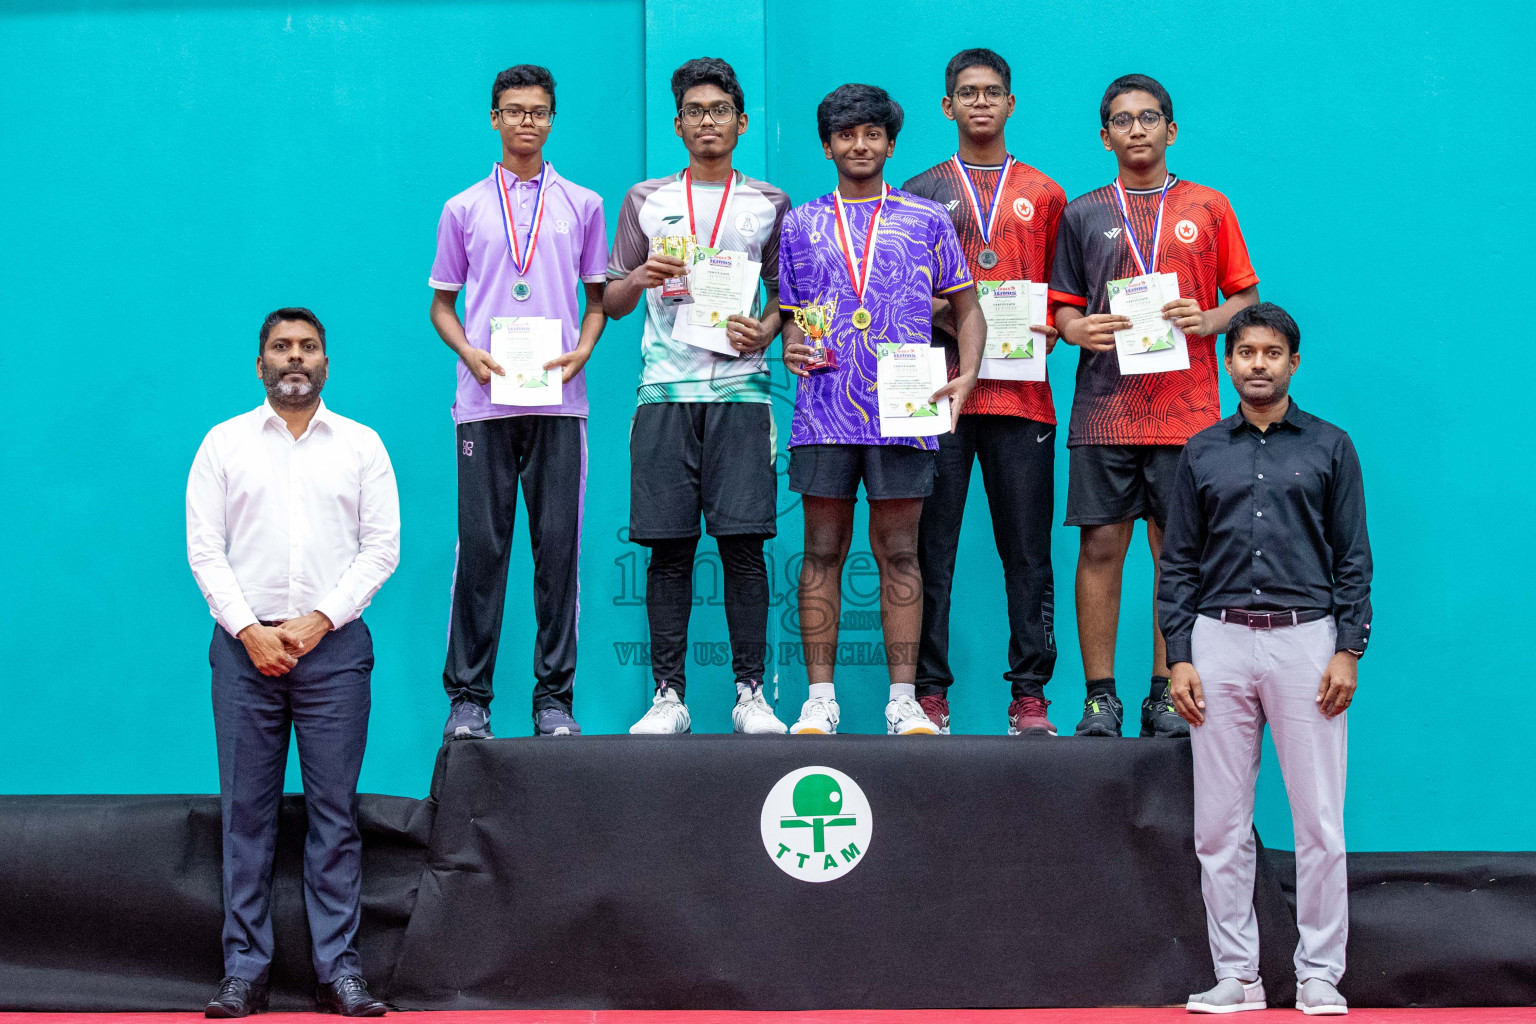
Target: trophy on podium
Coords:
[(675, 290), (816, 321)]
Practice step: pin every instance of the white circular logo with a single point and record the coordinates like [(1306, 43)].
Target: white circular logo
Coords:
[(747, 224), (1185, 231), (1023, 209), (816, 824)]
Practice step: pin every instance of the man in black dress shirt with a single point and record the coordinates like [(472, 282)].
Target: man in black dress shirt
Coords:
[(1265, 602)]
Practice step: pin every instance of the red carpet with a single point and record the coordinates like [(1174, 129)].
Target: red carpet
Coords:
[(1481, 1015)]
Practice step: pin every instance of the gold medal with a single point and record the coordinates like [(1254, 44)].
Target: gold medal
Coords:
[(861, 318)]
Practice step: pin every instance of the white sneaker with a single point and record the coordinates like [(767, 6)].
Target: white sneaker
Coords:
[(1229, 996), (753, 717), (1316, 997), (904, 716), (668, 716), (818, 717)]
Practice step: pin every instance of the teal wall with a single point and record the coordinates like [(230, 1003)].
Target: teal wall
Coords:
[(172, 171)]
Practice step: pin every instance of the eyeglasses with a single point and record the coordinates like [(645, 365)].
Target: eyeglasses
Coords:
[(969, 94), (542, 117), (1148, 118), (720, 113)]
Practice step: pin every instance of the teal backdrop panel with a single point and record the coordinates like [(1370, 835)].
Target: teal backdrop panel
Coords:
[(1371, 154), (175, 170), (188, 168)]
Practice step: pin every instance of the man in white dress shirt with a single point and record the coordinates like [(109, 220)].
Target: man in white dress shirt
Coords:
[(293, 524)]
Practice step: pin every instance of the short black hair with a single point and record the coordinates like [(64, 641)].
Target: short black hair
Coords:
[(1135, 83), (278, 316), (1263, 314), (707, 71), (523, 75), (849, 106), (975, 58)]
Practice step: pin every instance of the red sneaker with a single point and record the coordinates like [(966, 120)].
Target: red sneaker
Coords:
[(1026, 717), (938, 712)]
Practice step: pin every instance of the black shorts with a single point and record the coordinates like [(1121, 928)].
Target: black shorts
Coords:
[(1119, 483), (888, 470), (709, 458)]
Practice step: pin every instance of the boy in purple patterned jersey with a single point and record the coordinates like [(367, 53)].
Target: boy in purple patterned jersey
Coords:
[(878, 256)]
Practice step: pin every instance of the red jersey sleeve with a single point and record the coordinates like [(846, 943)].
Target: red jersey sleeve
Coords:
[(1233, 270)]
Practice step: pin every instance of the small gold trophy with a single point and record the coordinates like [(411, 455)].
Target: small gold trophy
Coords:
[(816, 321), (675, 290)]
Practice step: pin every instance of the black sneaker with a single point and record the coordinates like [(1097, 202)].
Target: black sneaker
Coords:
[(467, 721), (554, 722), (1159, 719), (1102, 715)]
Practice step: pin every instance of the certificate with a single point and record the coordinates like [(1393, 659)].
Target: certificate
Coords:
[(1013, 351), (1151, 344), (906, 378), (723, 284), (522, 345)]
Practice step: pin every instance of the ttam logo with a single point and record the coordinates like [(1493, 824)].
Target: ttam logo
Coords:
[(1024, 209), (952, 205), (816, 824), (562, 227), (469, 449), (1112, 234), (1185, 231)]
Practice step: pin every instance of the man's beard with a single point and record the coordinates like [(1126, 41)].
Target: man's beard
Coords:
[(288, 394), (1280, 388)]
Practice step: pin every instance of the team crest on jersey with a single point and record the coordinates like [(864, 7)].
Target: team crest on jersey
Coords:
[(1185, 231), (1024, 209), (562, 227), (747, 224)]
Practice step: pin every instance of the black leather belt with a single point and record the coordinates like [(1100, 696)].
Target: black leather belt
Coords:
[(1266, 620)]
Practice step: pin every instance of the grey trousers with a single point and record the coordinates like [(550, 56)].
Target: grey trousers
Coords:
[(1251, 676)]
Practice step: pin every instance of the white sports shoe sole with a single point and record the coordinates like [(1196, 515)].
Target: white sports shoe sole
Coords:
[(1324, 1010), (651, 727), (1196, 1007)]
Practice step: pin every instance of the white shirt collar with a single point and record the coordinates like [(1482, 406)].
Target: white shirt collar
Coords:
[(266, 415)]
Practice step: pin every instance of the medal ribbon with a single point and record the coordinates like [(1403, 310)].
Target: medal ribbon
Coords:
[(975, 197), (504, 192), (859, 277), (1157, 230), (725, 200)]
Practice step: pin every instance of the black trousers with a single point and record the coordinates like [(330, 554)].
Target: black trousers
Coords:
[(669, 602), (1017, 457), (548, 456), (324, 701)]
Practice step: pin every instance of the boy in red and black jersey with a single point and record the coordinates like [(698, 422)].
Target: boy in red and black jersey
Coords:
[(1009, 426), (1127, 430)]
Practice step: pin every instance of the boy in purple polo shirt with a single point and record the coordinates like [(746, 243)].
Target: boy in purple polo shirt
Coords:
[(880, 257), (517, 243)]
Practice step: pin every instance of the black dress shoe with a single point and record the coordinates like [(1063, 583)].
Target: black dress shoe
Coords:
[(237, 998), (348, 996)]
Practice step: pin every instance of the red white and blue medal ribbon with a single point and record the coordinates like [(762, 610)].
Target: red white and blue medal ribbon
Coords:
[(1157, 230), (725, 200), (522, 256), (975, 199), (859, 275)]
